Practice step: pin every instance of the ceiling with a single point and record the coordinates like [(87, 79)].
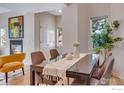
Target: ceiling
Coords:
[(56, 12), (30, 7)]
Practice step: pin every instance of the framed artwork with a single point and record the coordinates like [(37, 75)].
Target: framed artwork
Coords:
[(16, 27), (16, 46)]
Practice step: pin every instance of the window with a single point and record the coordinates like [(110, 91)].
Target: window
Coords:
[(98, 27), (47, 38), (3, 37)]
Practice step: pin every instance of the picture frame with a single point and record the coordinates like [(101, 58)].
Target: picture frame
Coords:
[(59, 37), (16, 46), (16, 27)]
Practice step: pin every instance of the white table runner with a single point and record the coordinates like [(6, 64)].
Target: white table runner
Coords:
[(59, 68)]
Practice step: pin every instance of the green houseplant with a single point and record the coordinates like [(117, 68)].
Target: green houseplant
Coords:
[(104, 40)]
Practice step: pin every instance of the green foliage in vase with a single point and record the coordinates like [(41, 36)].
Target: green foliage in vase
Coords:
[(115, 24), (104, 40)]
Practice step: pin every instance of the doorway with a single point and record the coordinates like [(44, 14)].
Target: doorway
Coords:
[(49, 24)]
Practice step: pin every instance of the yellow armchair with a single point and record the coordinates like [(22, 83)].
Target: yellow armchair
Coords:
[(11, 63)]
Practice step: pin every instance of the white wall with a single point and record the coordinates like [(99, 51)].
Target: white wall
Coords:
[(58, 21), (83, 25), (69, 27), (117, 13), (28, 40), (99, 9), (37, 31)]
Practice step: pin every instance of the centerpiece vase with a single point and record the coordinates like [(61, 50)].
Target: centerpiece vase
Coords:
[(102, 56), (76, 52)]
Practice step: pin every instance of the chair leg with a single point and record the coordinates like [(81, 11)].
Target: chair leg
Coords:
[(6, 74), (23, 71), (37, 84)]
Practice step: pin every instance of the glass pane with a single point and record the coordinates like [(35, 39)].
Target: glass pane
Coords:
[(3, 37), (47, 37), (98, 27)]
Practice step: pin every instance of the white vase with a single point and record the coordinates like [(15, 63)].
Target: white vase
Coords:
[(76, 52), (102, 56), (101, 59)]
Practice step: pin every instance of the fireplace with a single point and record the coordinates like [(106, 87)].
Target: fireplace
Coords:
[(16, 46)]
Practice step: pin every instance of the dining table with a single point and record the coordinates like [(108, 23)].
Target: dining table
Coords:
[(64, 68)]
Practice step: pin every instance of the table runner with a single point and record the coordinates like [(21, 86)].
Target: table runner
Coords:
[(59, 68)]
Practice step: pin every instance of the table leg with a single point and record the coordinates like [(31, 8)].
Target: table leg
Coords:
[(88, 80), (67, 80), (32, 77)]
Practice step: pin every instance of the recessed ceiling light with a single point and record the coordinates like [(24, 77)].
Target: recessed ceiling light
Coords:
[(60, 11)]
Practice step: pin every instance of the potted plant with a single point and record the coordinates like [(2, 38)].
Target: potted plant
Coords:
[(105, 40)]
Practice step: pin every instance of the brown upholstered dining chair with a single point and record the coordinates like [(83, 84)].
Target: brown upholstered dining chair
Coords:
[(99, 70), (37, 58), (54, 53), (102, 75)]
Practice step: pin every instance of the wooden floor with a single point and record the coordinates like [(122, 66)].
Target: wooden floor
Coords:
[(18, 80), (25, 80), (116, 81)]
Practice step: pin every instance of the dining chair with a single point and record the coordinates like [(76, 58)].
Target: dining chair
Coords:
[(99, 69), (37, 58), (54, 53), (103, 76)]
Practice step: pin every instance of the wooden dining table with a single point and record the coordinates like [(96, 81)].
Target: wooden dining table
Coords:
[(61, 67)]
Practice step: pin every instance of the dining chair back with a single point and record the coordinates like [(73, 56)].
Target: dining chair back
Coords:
[(99, 70), (54, 53), (107, 73), (104, 73), (37, 57)]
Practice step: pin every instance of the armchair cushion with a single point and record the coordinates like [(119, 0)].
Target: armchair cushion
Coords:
[(11, 62), (11, 66), (1, 64)]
